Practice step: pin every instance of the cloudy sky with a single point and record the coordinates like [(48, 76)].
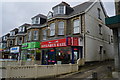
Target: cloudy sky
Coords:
[(15, 13)]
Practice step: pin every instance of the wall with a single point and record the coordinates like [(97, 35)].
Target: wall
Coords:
[(39, 71), (93, 40)]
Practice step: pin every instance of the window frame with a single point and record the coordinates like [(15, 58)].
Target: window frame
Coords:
[(35, 35), (52, 29), (44, 32), (61, 29), (76, 26)]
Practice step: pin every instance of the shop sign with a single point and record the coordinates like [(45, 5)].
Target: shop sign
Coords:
[(31, 45), (75, 41), (54, 43), (14, 50)]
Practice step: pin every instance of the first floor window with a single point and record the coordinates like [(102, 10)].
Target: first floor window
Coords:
[(35, 35), (52, 29), (29, 35), (61, 28), (76, 26), (44, 34)]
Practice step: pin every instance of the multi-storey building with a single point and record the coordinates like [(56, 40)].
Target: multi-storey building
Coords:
[(77, 34), (11, 43), (31, 49), (3, 45)]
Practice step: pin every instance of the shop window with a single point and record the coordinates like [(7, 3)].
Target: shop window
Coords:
[(35, 35), (63, 56), (61, 28), (52, 29), (76, 26)]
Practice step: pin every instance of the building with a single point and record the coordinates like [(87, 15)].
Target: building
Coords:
[(77, 34), (3, 47), (113, 23), (31, 49), (19, 39), (11, 43)]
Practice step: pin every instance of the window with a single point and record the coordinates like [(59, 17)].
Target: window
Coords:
[(44, 34), (21, 29), (12, 33), (29, 35), (55, 10), (61, 28), (99, 13), (100, 29), (35, 35), (50, 15), (11, 43), (52, 29), (36, 20), (111, 39), (76, 26), (59, 10), (20, 41)]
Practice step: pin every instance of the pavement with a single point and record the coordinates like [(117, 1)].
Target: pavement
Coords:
[(100, 70)]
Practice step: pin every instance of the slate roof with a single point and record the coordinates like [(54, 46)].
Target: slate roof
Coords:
[(40, 15), (76, 9)]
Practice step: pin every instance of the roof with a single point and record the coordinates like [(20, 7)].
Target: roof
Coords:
[(26, 25), (81, 8), (62, 4), (76, 9), (40, 15), (16, 29)]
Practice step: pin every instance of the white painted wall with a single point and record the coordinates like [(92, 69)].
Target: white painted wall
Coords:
[(93, 40)]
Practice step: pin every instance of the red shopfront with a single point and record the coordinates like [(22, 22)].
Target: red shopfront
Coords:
[(61, 51)]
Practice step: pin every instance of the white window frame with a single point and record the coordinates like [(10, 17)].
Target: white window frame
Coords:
[(44, 32), (76, 26), (61, 28), (35, 35), (29, 35), (52, 29), (57, 10)]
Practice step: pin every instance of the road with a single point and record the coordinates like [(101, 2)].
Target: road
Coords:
[(102, 69)]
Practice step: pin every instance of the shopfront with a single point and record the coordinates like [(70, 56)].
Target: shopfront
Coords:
[(31, 51), (61, 51), (15, 53)]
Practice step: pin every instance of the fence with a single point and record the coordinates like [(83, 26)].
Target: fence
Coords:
[(38, 71)]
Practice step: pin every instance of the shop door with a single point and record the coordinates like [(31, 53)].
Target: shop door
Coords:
[(51, 58), (75, 55), (48, 57)]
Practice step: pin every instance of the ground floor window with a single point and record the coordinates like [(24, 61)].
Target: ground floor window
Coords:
[(30, 55)]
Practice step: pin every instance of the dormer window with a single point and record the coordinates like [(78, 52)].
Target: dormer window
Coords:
[(59, 10), (36, 20), (50, 15), (21, 29), (12, 33)]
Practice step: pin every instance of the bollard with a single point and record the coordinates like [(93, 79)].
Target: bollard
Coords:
[(94, 76)]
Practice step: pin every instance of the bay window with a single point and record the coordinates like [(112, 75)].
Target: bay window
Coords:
[(29, 35), (61, 28), (76, 26), (35, 35), (44, 32), (52, 29)]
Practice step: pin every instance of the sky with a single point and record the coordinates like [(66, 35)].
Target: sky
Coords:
[(14, 13)]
